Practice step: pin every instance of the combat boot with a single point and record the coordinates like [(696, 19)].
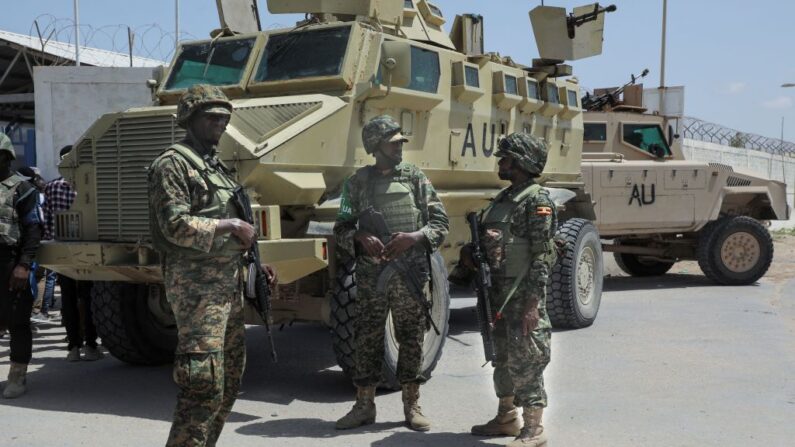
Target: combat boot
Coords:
[(532, 434), (506, 423), (363, 411), (411, 408), (15, 386)]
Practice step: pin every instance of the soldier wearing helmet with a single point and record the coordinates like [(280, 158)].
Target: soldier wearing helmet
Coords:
[(517, 231), (20, 234), (201, 239), (417, 223)]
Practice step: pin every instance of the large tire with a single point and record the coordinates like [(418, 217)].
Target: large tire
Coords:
[(130, 326), (343, 314), (635, 265), (735, 250), (574, 291)]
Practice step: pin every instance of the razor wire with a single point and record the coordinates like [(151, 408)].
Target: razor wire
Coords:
[(701, 130), (150, 41)]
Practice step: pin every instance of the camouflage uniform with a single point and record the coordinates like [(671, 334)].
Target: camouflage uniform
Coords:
[(408, 203), (518, 229), (188, 195)]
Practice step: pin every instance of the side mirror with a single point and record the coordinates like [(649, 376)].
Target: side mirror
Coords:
[(396, 64)]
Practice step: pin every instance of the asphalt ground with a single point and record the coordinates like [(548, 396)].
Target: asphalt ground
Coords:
[(670, 361)]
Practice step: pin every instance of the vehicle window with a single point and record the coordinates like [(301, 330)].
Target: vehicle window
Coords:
[(408, 4), (646, 137), (221, 63), (472, 76), (424, 70), (511, 86), (532, 90), (436, 11), (286, 55), (572, 98), (595, 132), (553, 95)]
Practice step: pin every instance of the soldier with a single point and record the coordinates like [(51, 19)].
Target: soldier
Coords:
[(198, 231), (518, 227), (20, 235), (418, 223)]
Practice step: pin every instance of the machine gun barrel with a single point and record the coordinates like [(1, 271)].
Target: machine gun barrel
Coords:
[(258, 291), (573, 22), (598, 103), (482, 285)]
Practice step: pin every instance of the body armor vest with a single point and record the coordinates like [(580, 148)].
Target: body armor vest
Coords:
[(219, 206), (9, 219), (508, 254)]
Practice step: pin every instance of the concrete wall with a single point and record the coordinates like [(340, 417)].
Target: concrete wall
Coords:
[(767, 165), (70, 99)]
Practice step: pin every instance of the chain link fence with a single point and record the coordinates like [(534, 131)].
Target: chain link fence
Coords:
[(701, 130)]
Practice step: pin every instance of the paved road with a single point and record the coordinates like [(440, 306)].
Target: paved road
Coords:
[(670, 362)]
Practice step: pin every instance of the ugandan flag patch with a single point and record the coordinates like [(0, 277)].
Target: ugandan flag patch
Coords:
[(543, 211)]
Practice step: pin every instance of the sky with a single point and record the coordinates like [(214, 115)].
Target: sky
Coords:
[(731, 56)]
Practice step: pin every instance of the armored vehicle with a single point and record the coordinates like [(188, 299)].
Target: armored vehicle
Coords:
[(301, 96), (656, 208)]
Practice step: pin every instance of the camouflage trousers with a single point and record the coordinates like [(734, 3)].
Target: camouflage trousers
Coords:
[(209, 361), (521, 359), (369, 328)]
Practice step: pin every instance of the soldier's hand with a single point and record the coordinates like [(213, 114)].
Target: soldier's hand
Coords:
[(270, 273), (401, 242), (19, 278), (530, 320), (465, 257), (240, 229), (371, 245)]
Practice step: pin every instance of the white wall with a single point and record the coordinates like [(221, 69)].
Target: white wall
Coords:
[(767, 165), (70, 99)]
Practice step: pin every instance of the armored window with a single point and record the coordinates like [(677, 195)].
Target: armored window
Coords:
[(572, 98), (595, 132), (286, 55), (436, 11), (472, 76), (532, 89), (553, 95), (408, 4), (511, 85), (222, 63), (425, 70), (646, 137)]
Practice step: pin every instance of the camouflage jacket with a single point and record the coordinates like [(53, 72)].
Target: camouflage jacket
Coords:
[(177, 190), (356, 198), (534, 218)]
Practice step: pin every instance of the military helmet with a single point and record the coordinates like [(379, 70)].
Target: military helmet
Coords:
[(208, 98), (381, 129), (529, 152), (6, 146)]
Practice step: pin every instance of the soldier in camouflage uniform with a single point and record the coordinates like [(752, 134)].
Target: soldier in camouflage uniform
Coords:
[(418, 222), (20, 234), (518, 229), (198, 231)]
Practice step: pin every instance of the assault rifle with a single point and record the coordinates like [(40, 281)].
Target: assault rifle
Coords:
[(258, 292), (482, 285), (593, 103), (372, 221)]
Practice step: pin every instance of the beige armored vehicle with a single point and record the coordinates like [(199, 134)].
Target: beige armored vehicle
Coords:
[(657, 208), (301, 96)]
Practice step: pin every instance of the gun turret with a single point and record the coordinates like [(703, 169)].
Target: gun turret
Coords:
[(608, 100), (575, 21)]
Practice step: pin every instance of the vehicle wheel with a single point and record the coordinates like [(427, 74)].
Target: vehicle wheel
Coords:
[(641, 265), (134, 322), (574, 291), (735, 251), (343, 313)]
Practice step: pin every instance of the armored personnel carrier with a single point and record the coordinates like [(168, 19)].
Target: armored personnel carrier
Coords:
[(657, 208), (301, 96)]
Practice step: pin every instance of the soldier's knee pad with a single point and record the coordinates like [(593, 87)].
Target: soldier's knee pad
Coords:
[(199, 374)]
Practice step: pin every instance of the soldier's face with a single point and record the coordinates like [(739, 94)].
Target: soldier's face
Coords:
[(209, 127), (506, 168), (5, 161), (393, 151)]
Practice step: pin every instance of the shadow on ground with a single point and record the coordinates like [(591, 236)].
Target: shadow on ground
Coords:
[(669, 281)]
